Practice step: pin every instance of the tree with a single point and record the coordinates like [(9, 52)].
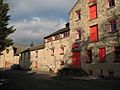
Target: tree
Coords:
[(5, 30)]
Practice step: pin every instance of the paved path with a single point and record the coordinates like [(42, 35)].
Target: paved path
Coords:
[(21, 80)]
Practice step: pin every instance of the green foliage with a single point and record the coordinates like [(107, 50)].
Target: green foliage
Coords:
[(5, 31)]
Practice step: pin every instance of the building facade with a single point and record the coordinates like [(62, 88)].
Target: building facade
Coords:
[(95, 35)]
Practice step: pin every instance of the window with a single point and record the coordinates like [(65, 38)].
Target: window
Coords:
[(66, 34), (49, 39), (117, 54), (113, 25), (62, 51), (52, 53), (57, 37), (36, 54), (78, 34), (111, 3), (89, 56), (7, 51), (91, 0), (93, 12), (102, 54), (78, 14), (94, 33)]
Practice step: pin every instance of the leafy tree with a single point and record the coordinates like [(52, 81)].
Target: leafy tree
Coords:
[(5, 30)]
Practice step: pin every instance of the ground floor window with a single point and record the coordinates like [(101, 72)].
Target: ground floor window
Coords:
[(117, 54), (89, 56)]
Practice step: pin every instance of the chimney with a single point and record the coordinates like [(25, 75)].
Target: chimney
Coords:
[(67, 25)]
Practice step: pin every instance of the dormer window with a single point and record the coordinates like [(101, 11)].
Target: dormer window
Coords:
[(61, 35), (53, 38)]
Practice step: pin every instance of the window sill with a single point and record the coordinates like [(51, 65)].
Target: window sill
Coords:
[(117, 61), (92, 3), (102, 61), (93, 19), (77, 20), (109, 8), (110, 32), (61, 53), (88, 61), (52, 54)]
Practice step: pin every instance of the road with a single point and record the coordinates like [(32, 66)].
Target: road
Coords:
[(21, 80)]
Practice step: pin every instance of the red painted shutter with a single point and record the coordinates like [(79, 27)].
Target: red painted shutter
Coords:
[(93, 11), (76, 60), (93, 33), (102, 54), (91, 0)]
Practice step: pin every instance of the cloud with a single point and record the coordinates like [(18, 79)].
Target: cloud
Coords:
[(35, 19), (35, 29), (40, 8)]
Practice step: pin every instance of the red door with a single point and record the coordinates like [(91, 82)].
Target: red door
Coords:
[(102, 54), (76, 60)]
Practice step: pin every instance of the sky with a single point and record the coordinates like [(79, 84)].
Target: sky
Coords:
[(35, 19)]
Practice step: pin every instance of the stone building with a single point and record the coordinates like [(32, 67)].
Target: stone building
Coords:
[(10, 55), (57, 48), (95, 36)]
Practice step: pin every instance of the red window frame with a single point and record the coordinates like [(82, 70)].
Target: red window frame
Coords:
[(94, 33), (117, 54), (102, 54), (93, 11)]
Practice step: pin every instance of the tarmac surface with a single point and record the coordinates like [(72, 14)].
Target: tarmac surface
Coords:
[(31, 80)]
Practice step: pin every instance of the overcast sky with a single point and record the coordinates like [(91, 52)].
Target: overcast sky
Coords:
[(34, 19)]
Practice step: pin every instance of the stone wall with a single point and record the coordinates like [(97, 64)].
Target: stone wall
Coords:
[(106, 39)]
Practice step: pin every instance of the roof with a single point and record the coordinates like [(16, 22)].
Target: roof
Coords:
[(58, 32), (19, 48), (38, 47), (73, 6)]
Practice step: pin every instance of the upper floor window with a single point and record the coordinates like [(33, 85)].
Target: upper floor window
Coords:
[(78, 13), (78, 34), (93, 33), (36, 54), (52, 52), (66, 34), (57, 37), (62, 51), (111, 3), (113, 25), (93, 12)]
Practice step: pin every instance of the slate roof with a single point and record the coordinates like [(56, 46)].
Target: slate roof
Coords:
[(58, 32), (19, 48), (37, 47)]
